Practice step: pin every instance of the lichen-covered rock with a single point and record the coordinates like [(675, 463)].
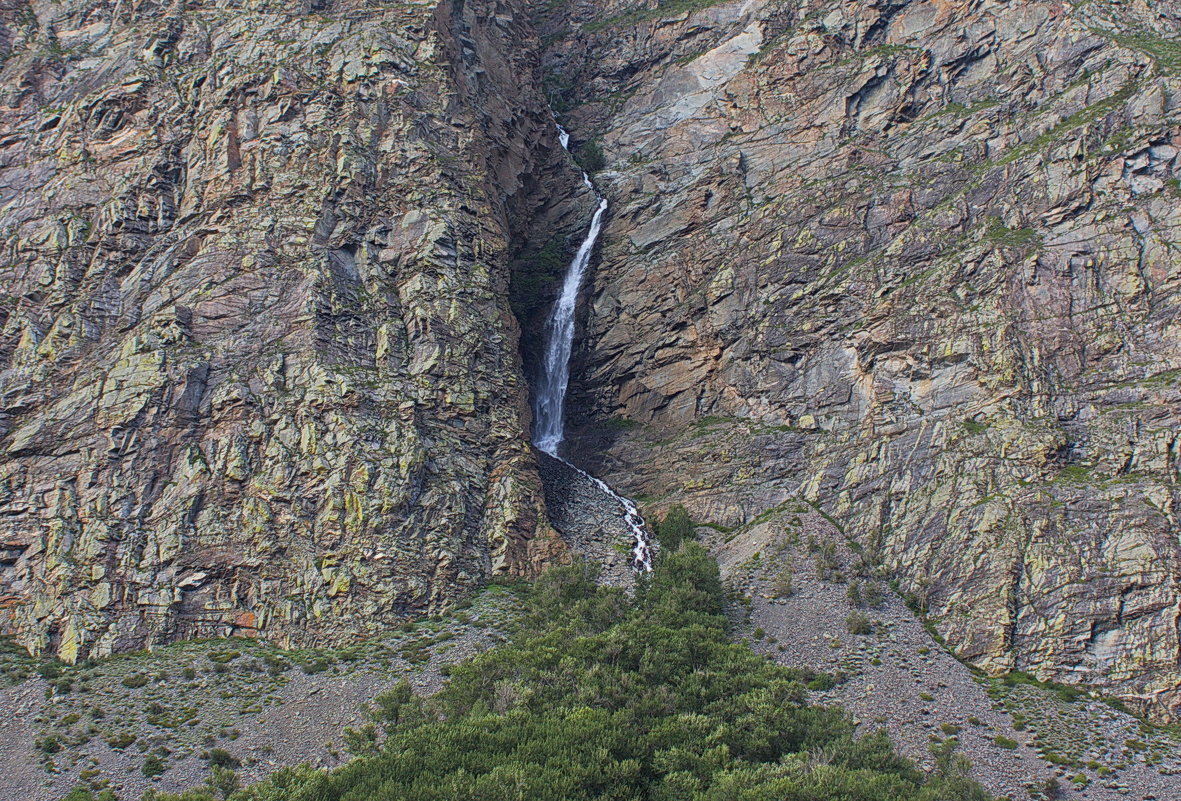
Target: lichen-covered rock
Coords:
[(258, 372), (916, 263)]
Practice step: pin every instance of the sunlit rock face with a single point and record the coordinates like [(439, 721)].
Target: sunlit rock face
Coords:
[(258, 370), (916, 263)]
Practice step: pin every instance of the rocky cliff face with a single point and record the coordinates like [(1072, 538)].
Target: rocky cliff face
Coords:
[(917, 264), (258, 371), (912, 262)]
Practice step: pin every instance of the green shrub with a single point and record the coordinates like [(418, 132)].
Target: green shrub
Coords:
[(827, 564), (859, 623), (221, 758), (1054, 758), (783, 587), (361, 741), (395, 706), (223, 657), (675, 528), (1117, 705), (1004, 742), (276, 665), (974, 427), (1064, 691), (222, 782), (120, 740), (822, 682), (591, 158), (87, 794), (603, 696), (318, 665), (135, 681), (49, 744), (153, 766)]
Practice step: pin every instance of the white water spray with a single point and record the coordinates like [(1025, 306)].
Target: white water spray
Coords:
[(549, 398)]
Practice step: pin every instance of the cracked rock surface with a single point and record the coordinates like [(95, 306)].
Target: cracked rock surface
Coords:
[(915, 263), (891, 673), (258, 371)]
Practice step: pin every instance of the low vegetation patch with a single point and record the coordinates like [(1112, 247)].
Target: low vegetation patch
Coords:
[(675, 528), (1063, 691), (603, 696), (1165, 52)]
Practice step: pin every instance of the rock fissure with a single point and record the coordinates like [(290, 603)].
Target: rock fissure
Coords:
[(549, 421)]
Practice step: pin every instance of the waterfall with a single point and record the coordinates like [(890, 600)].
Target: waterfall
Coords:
[(641, 549), (549, 397), (549, 425)]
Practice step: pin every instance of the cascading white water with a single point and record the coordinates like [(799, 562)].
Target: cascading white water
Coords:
[(641, 549), (549, 397)]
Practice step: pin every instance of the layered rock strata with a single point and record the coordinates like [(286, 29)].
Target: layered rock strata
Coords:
[(917, 264), (258, 370)]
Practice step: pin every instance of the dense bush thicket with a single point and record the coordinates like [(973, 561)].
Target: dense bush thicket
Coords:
[(599, 696), (675, 528)]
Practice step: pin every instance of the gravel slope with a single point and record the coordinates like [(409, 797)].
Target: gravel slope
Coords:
[(899, 678)]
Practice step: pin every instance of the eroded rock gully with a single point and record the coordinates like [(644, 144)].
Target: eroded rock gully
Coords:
[(258, 370), (915, 263)]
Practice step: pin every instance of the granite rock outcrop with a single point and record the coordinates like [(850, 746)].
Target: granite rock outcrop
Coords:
[(267, 269)]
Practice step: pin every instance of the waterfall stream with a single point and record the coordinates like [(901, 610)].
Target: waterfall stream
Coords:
[(549, 397)]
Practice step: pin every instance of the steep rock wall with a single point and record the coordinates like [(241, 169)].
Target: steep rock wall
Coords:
[(258, 373), (916, 263)]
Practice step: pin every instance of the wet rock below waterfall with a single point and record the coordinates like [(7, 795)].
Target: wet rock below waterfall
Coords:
[(589, 520)]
